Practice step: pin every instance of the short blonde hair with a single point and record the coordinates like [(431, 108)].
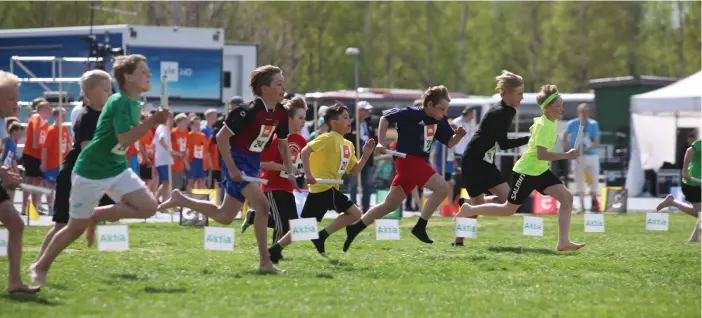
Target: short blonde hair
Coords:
[(181, 117), (210, 111), (8, 79), (92, 79), (507, 82), (58, 110)]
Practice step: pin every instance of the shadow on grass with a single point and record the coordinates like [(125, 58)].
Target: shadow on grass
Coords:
[(324, 275), (29, 298), (519, 250), (132, 277), (59, 287), (154, 290)]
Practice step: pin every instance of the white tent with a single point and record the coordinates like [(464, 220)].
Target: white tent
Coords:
[(655, 118)]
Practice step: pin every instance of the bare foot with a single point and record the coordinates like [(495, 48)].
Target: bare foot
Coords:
[(666, 202), (23, 288), (172, 202), (465, 211), (90, 232), (570, 246), (38, 276), (271, 269)]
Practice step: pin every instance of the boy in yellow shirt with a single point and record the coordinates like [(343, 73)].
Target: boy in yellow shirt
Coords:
[(329, 156), (531, 172)]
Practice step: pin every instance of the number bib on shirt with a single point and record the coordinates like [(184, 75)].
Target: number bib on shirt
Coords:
[(490, 154), (297, 163), (182, 144), (197, 151), (8, 159), (450, 156), (42, 137), (429, 132), (263, 136), (345, 158), (63, 147)]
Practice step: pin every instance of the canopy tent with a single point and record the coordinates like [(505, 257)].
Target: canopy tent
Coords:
[(655, 119)]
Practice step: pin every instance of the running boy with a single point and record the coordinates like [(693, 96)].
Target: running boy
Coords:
[(248, 133), (690, 187), (531, 172), (197, 155), (417, 127), (50, 160), (9, 93), (103, 166), (329, 156)]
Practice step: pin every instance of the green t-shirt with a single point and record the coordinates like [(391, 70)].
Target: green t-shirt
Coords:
[(544, 134), (104, 157), (694, 167)]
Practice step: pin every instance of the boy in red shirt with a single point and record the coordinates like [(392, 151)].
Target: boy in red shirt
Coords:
[(198, 155), (50, 160)]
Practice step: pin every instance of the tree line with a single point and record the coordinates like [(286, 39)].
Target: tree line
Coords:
[(462, 45)]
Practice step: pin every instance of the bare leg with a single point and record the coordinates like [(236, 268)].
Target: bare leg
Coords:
[(15, 228), (223, 214), (61, 240), (49, 236), (669, 200), (347, 217), (561, 193), (254, 195)]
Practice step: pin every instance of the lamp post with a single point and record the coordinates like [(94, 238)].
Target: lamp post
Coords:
[(355, 52)]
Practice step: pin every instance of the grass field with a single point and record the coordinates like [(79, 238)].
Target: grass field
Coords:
[(625, 272)]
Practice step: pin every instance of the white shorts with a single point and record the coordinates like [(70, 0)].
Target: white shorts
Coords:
[(86, 193), (592, 166)]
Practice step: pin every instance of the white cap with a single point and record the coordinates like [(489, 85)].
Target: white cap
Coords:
[(322, 110), (365, 105)]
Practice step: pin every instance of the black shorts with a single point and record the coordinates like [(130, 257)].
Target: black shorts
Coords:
[(216, 176), (63, 194), (283, 209), (448, 176), (480, 176), (145, 172), (523, 185), (4, 195), (692, 193), (32, 166), (318, 204)]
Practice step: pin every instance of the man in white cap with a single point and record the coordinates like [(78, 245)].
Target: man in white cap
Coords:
[(365, 133)]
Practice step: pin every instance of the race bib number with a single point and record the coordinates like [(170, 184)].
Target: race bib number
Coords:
[(296, 161), (42, 137), (262, 139), (8, 159), (197, 151), (450, 157), (119, 150), (182, 144), (490, 155), (149, 149), (345, 158), (63, 147), (429, 132)]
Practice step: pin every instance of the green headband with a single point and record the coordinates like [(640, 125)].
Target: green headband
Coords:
[(549, 100)]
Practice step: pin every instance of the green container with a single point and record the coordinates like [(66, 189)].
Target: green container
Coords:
[(380, 196)]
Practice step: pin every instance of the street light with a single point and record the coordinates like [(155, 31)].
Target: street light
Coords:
[(355, 52)]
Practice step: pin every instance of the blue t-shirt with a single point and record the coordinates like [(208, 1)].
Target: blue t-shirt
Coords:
[(207, 131), (441, 158), (416, 131), (590, 132), (9, 154)]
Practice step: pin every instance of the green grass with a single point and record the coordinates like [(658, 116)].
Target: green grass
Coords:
[(625, 272)]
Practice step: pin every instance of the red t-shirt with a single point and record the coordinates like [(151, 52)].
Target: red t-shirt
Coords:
[(275, 182)]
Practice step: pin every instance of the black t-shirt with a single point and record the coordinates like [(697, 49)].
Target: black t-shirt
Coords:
[(83, 130), (493, 129)]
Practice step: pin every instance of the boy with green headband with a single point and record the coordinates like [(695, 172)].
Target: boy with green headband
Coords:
[(692, 173), (531, 172)]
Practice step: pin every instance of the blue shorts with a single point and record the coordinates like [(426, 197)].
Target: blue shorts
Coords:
[(197, 170), (162, 174), (249, 165), (134, 163), (51, 175)]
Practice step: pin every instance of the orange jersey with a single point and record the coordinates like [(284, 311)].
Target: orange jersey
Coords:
[(41, 126), (132, 150), (52, 146), (197, 145), (146, 142), (179, 140), (214, 154)]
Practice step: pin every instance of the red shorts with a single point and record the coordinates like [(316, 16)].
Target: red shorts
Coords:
[(411, 172)]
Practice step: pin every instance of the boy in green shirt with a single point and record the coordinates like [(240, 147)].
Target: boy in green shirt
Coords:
[(102, 166), (690, 187), (531, 172)]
